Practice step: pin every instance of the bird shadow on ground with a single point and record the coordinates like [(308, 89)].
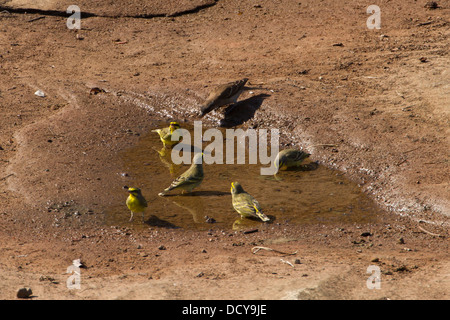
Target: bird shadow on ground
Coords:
[(154, 221), (242, 111)]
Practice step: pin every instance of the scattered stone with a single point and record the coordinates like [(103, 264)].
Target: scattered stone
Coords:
[(203, 251), (401, 241), (431, 5), (39, 93), (366, 234), (375, 260), (423, 59), (24, 293), (401, 269), (297, 261), (96, 90), (161, 247)]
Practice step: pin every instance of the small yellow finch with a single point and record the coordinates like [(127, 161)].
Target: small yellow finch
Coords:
[(289, 158), (190, 179), (165, 134), (136, 201), (245, 204)]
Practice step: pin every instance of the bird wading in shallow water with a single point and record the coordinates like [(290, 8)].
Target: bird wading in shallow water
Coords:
[(222, 95), (289, 158), (165, 134), (245, 204), (136, 202), (190, 179)]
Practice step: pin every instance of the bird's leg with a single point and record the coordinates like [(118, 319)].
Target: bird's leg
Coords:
[(131, 218), (143, 220)]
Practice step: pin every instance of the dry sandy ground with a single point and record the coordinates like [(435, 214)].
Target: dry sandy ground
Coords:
[(381, 97)]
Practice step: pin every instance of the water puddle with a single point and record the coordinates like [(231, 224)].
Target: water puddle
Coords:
[(312, 194)]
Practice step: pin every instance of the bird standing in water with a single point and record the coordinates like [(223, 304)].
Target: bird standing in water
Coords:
[(190, 179), (136, 202), (165, 134), (289, 158), (245, 204)]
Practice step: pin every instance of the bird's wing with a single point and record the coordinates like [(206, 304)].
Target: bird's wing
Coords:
[(144, 202), (243, 203), (227, 90), (256, 204), (295, 155), (175, 183), (162, 132), (185, 178)]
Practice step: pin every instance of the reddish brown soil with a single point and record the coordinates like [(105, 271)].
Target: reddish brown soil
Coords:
[(326, 79)]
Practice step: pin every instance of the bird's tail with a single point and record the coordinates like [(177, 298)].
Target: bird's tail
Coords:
[(261, 215), (163, 193)]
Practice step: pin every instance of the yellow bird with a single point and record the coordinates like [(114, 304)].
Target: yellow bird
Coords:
[(165, 134), (190, 179), (136, 202), (245, 204), (289, 158)]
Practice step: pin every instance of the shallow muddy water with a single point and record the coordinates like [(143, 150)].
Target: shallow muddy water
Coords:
[(311, 194)]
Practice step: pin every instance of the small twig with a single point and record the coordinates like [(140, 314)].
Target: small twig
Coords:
[(5, 177), (412, 150), (430, 233), (287, 262), (437, 162), (424, 23), (256, 249), (37, 18)]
